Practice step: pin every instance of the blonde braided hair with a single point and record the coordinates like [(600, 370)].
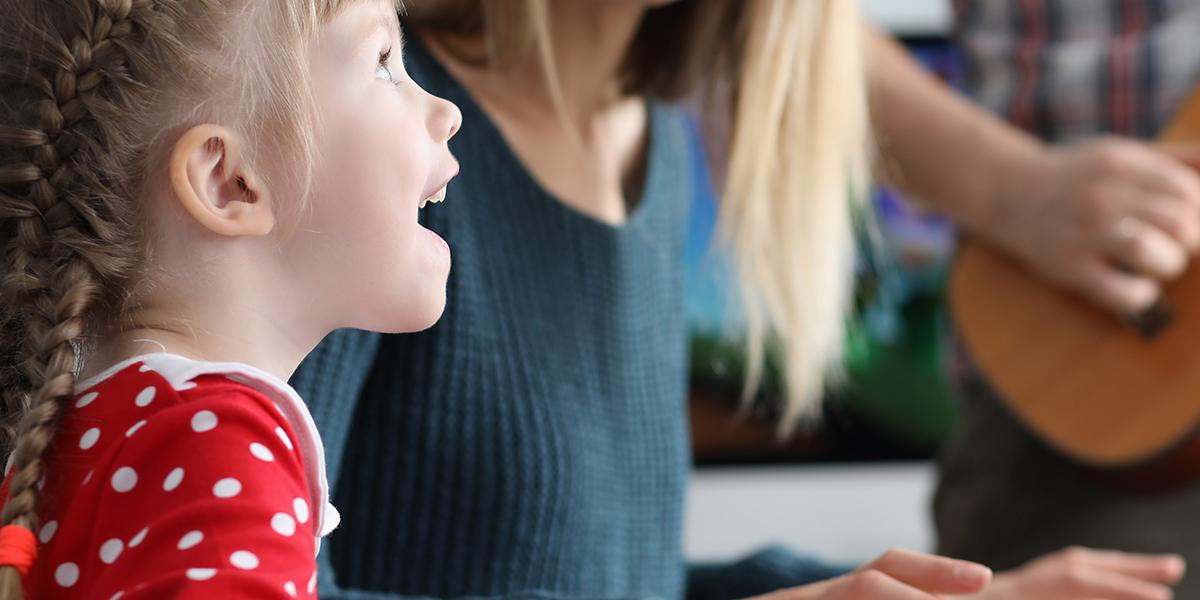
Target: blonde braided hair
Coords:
[(91, 91), (64, 232)]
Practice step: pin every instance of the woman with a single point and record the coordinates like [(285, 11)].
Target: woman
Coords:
[(533, 444)]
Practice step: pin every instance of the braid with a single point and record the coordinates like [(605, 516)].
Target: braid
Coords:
[(90, 91), (63, 233)]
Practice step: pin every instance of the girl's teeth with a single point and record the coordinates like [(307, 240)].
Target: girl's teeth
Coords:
[(437, 196)]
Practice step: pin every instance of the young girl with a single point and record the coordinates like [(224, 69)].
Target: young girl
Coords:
[(189, 188)]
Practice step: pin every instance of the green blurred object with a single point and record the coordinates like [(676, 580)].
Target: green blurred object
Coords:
[(899, 385)]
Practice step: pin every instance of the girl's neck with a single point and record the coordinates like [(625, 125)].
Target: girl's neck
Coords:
[(242, 336)]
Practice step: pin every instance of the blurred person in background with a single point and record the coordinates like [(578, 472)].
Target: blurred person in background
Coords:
[(534, 443), (1094, 78)]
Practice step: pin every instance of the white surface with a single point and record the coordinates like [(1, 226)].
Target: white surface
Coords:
[(910, 17), (838, 513)]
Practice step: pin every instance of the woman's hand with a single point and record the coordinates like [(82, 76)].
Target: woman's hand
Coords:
[(1111, 219), (897, 575), (1083, 574)]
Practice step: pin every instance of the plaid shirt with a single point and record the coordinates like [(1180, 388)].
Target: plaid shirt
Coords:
[(1066, 69)]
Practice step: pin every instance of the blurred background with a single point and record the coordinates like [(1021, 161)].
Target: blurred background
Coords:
[(819, 491)]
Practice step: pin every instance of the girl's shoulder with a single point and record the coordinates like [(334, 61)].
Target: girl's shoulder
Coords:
[(169, 475), (185, 400)]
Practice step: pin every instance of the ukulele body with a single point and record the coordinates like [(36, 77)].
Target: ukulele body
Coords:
[(1088, 384), (1079, 378)]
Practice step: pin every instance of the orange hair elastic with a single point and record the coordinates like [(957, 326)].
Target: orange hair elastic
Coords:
[(18, 548)]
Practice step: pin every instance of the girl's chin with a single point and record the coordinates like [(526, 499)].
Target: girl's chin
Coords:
[(436, 240), (436, 268), (415, 296), (418, 314)]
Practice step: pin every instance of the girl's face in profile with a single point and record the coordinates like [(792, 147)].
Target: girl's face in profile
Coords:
[(358, 250)]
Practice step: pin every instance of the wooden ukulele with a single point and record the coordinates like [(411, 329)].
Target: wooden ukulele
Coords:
[(1121, 397)]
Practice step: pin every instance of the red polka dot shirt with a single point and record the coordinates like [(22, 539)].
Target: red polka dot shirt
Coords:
[(172, 478)]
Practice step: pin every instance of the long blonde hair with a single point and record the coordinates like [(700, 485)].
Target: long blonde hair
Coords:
[(797, 149), (91, 93)]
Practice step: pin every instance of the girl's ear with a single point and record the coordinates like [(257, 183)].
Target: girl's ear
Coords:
[(213, 184)]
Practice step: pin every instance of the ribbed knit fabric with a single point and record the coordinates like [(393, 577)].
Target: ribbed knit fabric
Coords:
[(533, 443)]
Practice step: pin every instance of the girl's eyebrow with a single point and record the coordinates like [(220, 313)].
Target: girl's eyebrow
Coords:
[(384, 22), (387, 21)]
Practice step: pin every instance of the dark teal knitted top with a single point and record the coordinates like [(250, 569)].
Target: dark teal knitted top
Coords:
[(533, 443)]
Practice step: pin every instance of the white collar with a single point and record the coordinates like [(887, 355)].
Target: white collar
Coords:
[(180, 373)]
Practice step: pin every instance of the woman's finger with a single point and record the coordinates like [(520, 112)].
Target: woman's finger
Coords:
[(933, 574), (1122, 292), (876, 585), (1175, 217), (1159, 170), (1145, 249), (1165, 568), (1086, 582), (865, 584)]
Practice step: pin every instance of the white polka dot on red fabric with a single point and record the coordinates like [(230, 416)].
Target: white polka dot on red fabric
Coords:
[(312, 583), (89, 438), (283, 437), (227, 488), (146, 396), (136, 426), (124, 479), (283, 524), (174, 478), (200, 573), (300, 507), (86, 399), (110, 550), (47, 531), (137, 539), (261, 452), (244, 559), (117, 596), (189, 540), (203, 421), (290, 588), (67, 574)]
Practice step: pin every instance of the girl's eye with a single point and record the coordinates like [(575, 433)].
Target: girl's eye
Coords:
[(381, 70)]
